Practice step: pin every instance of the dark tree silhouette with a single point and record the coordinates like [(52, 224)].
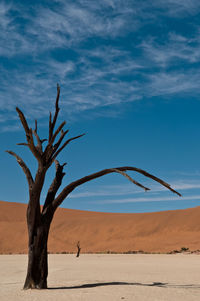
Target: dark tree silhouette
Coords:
[(78, 249), (39, 218)]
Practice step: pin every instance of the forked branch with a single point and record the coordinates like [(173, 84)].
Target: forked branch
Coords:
[(39, 141), (29, 135), (46, 157), (69, 188), (62, 136), (59, 129), (57, 181), (65, 144), (130, 179)]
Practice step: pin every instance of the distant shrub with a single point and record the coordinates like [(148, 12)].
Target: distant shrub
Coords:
[(183, 249), (174, 252)]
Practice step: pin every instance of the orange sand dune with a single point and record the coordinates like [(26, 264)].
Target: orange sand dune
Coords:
[(102, 232)]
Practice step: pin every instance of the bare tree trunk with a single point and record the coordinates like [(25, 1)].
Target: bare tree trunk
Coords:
[(37, 270), (78, 249)]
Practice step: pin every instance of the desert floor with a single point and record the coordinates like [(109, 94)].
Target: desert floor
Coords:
[(106, 277)]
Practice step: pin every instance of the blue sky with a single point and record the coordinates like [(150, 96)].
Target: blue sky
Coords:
[(129, 73)]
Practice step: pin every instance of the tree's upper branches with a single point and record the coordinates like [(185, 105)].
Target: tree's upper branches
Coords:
[(47, 156), (53, 147)]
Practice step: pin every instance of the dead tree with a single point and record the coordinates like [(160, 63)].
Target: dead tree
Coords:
[(78, 249), (39, 218)]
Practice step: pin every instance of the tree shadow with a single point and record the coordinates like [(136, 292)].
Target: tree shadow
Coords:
[(154, 284)]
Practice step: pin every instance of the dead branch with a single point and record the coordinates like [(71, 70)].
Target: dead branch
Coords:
[(39, 142), (50, 117), (52, 124), (57, 181), (69, 188), (65, 144), (36, 126), (59, 129), (35, 151), (62, 136), (29, 135), (24, 167), (23, 120), (130, 179)]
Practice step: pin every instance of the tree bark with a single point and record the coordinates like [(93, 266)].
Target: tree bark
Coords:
[(37, 271)]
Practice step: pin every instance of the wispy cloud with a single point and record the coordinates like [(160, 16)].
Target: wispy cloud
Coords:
[(195, 173), (82, 83), (178, 8), (58, 43), (129, 189), (62, 24), (109, 190), (12, 40), (180, 185), (150, 199), (176, 48), (10, 128), (174, 82)]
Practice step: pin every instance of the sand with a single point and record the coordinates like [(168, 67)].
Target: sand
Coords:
[(103, 232), (106, 278)]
